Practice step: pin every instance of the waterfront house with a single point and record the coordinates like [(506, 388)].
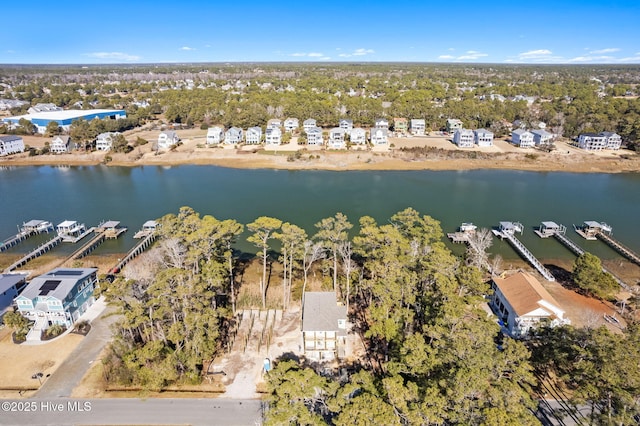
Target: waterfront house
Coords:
[(215, 135), (592, 141), (314, 136), (104, 141), (309, 124), (378, 136), (358, 136), (10, 144), (483, 137), (381, 123), (614, 141), (273, 136), (324, 326), (541, 137), (253, 136), (452, 125), (233, 136), (522, 138), (336, 138), (274, 123), (522, 303), (346, 124), (291, 125), (167, 139), (58, 297), (60, 144), (10, 286), (400, 125), (463, 138), (417, 127)]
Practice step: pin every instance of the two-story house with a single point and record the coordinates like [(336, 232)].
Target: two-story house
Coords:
[(614, 141), (464, 138), (167, 139), (345, 124), (541, 137), (522, 138), (417, 127), (400, 125), (309, 124), (291, 125), (324, 326), (60, 144), (253, 135), (381, 123), (215, 135), (273, 123), (358, 136), (452, 125), (58, 297), (104, 141), (483, 137), (592, 141), (378, 136)]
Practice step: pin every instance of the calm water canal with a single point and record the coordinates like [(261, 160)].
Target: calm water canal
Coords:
[(134, 195)]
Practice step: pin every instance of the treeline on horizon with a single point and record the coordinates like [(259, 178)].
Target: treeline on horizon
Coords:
[(569, 99), (432, 354)]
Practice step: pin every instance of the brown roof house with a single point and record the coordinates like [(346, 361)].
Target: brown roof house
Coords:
[(324, 326), (522, 303)]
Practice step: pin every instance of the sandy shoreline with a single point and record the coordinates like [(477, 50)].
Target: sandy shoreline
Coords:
[(428, 153)]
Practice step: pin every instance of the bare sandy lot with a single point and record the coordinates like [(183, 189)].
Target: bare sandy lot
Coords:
[(439, 154)]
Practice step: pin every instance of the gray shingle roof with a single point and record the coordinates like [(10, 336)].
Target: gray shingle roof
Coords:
[(321, 312)]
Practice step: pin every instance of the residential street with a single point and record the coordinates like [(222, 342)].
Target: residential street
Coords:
[(61, 412)]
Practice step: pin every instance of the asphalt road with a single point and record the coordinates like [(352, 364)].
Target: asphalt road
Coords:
[(64, 411)]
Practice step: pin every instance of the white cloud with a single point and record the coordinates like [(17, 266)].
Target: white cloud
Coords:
[(603, 51), (535, 53), (446, 57), (113, 56), (358, 52), (469, 55), (315, 55), (594, 59), (11, 51), (187, 48), (308, 55)]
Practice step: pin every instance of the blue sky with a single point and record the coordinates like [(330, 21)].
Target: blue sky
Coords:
[(571, 31)]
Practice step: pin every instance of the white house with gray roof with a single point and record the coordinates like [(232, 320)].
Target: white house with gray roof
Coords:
[(10, 144), (291, 125), (483, 137), (104, 141), (522, 138), (592, 141), (358, 136), (614, 141), (336, 138), (324, 326), (273, 136), (417, 127), (309, 124), (346, 124), (253, 135), (233, 136), (215, 135), (314, 136), (463, 138), (167, 139), (382, 123), (60, 144), (542, 137), (378, 136)]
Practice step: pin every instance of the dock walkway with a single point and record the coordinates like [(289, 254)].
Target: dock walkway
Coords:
[(35, 253), (524, 252), (136, 251), (619, 247), (15, 240), (88, 247)]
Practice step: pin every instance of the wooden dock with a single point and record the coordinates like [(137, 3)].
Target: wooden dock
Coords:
[(507, 231), (462, 235), (74, 239), (15, 240), (112, 229), (134, 252), (619, 247), (88, 247), (35, 253)]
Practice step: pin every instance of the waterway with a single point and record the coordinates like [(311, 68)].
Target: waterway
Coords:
[(132, 195)]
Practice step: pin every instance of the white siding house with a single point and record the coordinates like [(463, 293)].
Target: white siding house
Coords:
[(309, 124), (382, 123), (167, 139), (346, 124), (324, 326), (10, 144), (522, 138), (314, 136), (273, 123), (614, 141), (215, 135), (253, 136), (542, 137), (233, 136), (60, 145), (273, 136), (417, 127), (104, 141), (522, 303), (483, 138), (336, 138), (358, 136), (463, 138), (592, 141), (291, 124), (453, 124), (379, 136)]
